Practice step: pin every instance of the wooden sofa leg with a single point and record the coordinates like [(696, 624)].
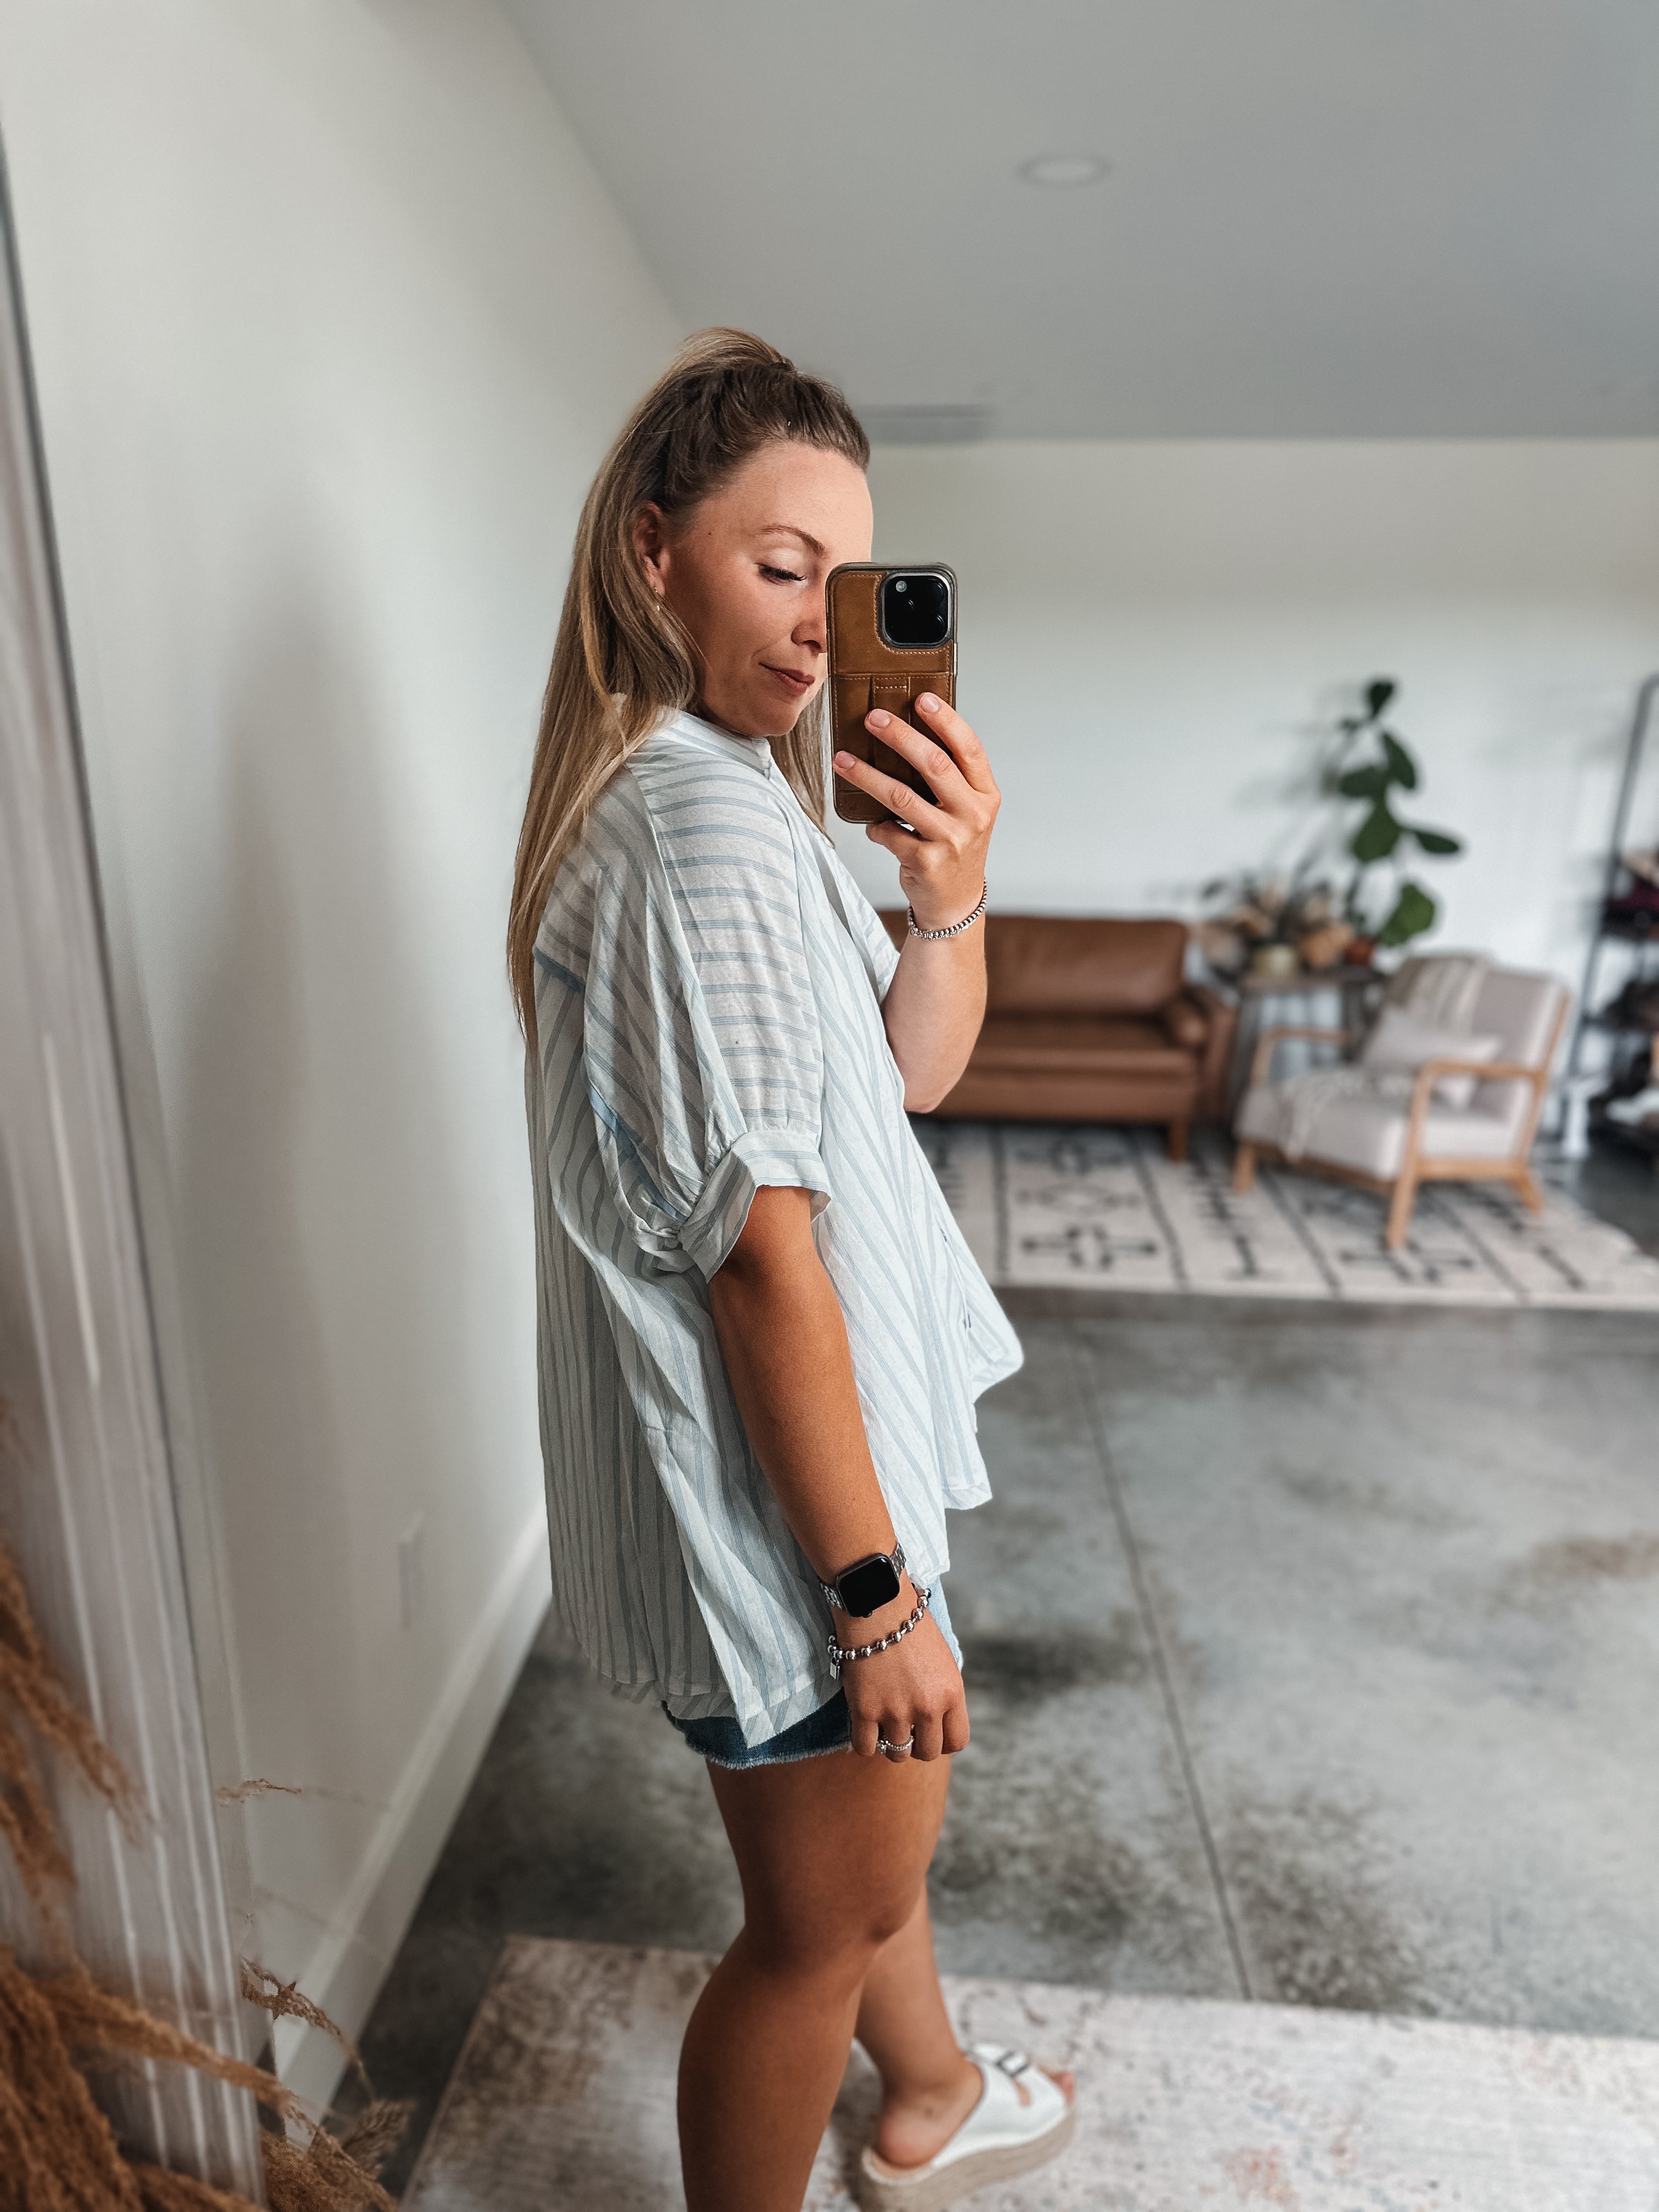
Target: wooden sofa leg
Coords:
[(1244, 1170), (1176, 1141), (1399, 1211), (1526, 1184)]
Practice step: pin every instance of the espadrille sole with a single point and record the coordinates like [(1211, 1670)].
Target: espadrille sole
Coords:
[(923, 2190)]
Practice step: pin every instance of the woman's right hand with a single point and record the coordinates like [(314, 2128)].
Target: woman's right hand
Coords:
[(910, 1692)]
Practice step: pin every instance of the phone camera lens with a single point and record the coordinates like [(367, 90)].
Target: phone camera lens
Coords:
[(914, 609)]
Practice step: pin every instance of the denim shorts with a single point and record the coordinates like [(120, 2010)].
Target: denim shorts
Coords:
[(720, 1740)]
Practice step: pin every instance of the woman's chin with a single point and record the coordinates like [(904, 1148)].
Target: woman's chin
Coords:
[(770, 717)]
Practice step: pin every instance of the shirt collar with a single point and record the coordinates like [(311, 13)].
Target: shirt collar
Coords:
[(754, 752)]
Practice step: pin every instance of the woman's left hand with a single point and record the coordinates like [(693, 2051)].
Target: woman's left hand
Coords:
[(940, 844)]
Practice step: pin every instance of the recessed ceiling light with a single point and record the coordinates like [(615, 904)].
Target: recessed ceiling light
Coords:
[(1064, 169)]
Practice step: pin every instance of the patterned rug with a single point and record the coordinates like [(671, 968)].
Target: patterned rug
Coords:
[(1094, 1208), (562, 2101)]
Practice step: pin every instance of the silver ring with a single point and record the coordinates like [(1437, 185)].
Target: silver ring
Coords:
[(897, 1750)]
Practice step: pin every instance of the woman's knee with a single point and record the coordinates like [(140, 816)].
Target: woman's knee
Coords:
[(835, 1936)]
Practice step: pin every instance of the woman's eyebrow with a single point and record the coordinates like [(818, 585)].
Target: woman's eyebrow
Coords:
[(788, 530)]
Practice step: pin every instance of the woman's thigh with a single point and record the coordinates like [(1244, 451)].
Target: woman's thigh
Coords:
[(831, 1851)]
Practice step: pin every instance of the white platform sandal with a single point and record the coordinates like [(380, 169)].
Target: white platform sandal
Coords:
[(1002, 2137)]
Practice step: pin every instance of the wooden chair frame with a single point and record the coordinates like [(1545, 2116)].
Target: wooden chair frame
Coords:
[(1415, 1169)]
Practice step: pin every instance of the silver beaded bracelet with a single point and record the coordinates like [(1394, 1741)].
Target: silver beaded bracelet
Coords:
[(956, 928), (840, 1658)]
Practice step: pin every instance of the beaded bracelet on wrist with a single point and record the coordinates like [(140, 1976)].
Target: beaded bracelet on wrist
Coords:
[(955, 929), (840, 1658)]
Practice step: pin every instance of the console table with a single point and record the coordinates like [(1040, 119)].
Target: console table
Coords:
[(1352, 985)]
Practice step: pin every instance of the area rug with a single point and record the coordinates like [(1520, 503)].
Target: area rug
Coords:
[(1093, 1208), (562, 2101)]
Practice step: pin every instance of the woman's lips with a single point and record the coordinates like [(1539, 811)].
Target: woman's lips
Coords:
[(792, 677)]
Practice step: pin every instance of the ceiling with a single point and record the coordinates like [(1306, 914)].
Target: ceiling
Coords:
[(1322, 217)]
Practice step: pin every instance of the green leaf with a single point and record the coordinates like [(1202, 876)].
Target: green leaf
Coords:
[(1437, 840), (1413, 912), (1378, 692), (1377, 835), (1402, 766), (1363, 783)]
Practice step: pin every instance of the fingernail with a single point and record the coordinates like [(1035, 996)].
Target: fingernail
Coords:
[(877, 718), (843, 760), (927, 701)]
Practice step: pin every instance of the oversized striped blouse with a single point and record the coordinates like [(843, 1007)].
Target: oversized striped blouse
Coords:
[(709, 987)]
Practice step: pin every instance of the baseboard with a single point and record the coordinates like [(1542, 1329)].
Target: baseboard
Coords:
[(345, 1973)]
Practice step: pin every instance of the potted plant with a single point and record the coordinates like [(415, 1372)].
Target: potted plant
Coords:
[(1280, 926), (1379, 837)]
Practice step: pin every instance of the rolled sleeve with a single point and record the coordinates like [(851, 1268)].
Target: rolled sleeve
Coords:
[(760, 1160), (704, 1054)]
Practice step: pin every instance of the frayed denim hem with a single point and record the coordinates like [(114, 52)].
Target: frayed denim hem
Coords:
[(720, 1740)]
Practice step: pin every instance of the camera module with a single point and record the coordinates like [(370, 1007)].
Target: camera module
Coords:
[(914, 608)]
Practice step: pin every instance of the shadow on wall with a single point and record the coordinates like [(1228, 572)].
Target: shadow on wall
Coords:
[(321, 1229)]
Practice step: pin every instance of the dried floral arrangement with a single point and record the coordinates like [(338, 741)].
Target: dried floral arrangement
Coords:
[(1305, 918), (57, 2151)]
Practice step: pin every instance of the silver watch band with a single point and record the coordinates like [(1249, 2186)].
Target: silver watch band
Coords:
[(895, 1557)]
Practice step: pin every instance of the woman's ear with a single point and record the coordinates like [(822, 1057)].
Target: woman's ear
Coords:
[(651, 544)]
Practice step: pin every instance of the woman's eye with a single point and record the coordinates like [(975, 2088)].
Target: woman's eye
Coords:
[(781, 575)]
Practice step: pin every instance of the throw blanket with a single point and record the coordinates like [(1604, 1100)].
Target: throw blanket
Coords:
[(1440, 990)]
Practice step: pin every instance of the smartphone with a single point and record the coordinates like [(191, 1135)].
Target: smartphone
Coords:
[(892, 636)]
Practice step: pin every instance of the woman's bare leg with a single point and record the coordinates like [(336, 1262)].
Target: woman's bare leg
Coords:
[(832, 1853), (927, 2086)]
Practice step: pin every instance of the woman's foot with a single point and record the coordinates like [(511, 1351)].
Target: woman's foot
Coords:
[(916, 2126)]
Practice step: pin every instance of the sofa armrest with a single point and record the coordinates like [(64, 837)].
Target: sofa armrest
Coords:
[(1186, 1022), (1216, 1060)]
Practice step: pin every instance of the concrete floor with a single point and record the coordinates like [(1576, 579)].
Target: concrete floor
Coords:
[(1308, 1651)]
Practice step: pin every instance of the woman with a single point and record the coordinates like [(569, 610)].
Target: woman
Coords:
[(760, 1333)]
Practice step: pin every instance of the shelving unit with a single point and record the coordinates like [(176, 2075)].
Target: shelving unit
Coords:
[(1643, 941)]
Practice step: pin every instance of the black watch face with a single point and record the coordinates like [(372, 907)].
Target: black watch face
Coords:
[(867, 1587)]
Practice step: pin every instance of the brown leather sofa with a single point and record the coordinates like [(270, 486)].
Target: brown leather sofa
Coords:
[(1093, 1021)]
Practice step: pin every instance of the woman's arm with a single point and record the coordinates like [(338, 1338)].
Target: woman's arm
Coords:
[(936, 1001), (784, 1341)]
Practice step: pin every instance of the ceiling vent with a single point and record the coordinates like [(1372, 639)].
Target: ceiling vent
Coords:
[(926, 426)]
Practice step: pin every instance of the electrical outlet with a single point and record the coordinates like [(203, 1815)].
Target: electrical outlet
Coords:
[(411, 1571)]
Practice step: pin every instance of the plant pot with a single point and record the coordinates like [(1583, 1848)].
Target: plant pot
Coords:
[(1278, 961)]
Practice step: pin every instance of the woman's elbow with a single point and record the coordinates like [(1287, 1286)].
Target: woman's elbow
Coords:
[(922, 1095)]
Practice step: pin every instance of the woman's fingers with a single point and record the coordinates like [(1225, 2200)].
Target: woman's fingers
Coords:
[(923, 817), (948, 727), (956, 1727), (922, 751), (864, 1731), (929, 1736)]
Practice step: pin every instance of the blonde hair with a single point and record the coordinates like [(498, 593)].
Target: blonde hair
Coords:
[(621, 661)]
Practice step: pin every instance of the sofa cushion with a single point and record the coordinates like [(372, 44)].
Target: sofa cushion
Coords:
[(1081, 1045), (1052, 964)]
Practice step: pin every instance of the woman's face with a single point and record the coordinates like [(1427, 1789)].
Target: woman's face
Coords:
[(743, 573)]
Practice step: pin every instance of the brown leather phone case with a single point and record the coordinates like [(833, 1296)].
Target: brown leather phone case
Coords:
[(866, 672)]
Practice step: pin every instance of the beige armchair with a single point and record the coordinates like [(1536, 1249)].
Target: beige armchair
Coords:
[(1394, 1145)]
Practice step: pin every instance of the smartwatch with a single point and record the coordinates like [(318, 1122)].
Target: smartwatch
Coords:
[(867, 1584)]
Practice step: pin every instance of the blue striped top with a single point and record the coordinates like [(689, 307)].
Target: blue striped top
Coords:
[(708, 986)]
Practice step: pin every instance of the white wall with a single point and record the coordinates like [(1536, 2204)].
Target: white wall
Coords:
[(331, 324), (1151, 632)]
